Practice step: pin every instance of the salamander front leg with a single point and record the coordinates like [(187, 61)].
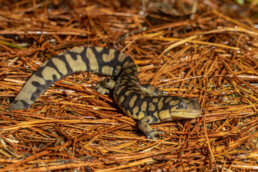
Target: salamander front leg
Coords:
[(152, 90), (144, 125), (105, 86)]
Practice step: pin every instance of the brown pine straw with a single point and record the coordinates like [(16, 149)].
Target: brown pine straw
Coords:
[(201, 50)]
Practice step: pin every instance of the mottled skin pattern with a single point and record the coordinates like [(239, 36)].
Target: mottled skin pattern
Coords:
[(145, 103)]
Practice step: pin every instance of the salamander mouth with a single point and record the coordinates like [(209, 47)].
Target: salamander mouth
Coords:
[(185, 113)]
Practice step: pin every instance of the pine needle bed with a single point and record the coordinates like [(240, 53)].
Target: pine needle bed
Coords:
[(209, 55)]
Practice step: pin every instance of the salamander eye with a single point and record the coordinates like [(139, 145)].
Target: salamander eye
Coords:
[(182, 105)]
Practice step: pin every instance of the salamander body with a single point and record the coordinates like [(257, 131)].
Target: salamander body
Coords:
[(145, 103)]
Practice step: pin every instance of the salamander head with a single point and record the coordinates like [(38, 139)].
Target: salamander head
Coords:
[(181, 108)]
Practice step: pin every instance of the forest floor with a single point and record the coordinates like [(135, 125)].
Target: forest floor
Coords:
[(206, 50)]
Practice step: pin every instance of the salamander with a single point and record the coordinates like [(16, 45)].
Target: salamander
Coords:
[(145, 103)]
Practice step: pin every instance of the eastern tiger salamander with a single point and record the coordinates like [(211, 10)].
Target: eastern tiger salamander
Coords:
[(145, 103)]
